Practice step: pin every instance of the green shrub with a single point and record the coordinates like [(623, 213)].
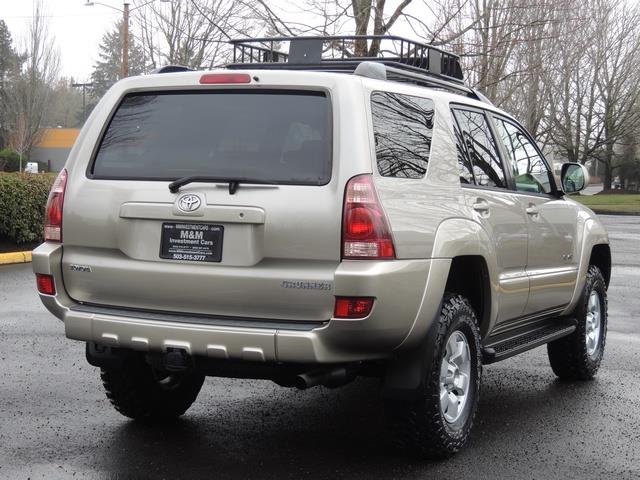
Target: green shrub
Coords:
[(10, 161), (23, 198)]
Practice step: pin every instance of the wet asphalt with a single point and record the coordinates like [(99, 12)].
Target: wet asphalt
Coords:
[(55, 421)]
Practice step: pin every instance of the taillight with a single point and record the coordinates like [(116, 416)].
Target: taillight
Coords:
[(218, 78), (53, 213), (365, 230), (353, 307), (45, 284)]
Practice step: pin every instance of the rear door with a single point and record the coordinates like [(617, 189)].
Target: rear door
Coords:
[(485, 185), (552, 259), (267, 249)]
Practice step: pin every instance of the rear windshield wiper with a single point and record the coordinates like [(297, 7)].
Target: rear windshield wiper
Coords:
[(232, 181)]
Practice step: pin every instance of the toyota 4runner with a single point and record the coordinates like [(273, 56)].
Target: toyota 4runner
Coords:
[(307, 218)]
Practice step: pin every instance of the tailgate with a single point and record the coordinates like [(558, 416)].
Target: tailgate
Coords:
[(269, 249)]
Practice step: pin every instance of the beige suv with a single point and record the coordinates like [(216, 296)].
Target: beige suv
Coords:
[(308, 220)]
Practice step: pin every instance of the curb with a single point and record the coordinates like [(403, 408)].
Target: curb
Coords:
[(15, 257), (621, 214)]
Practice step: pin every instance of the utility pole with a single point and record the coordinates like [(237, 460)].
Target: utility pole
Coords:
[(84, 102), (125, 28), (125, 41)]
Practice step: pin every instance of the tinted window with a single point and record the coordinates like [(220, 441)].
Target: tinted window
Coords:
[(403, 128), (480, 148), (274, 136), (529, 170), (465, 169)]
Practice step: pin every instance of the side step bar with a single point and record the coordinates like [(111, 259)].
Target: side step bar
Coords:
[(520, 340)]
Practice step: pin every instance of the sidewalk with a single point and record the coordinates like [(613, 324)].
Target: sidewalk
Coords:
[(592, 189), (15, 257)]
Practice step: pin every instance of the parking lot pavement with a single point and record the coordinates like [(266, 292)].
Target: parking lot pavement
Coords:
[(55, 421)]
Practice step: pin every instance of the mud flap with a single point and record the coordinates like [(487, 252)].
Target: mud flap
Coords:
[(405, 375)]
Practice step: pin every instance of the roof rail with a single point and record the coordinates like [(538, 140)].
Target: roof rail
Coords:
[(336, 53), (383, 72)]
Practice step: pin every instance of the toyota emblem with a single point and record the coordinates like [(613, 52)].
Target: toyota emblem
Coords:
[(189, 202)]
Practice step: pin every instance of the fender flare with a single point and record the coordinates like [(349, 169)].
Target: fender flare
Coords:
[(454, 237), (593, 233)]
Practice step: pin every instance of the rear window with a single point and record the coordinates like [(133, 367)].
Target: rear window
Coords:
[(271, 136)]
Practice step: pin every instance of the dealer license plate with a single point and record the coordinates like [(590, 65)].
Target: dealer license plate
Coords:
[(196, 242)]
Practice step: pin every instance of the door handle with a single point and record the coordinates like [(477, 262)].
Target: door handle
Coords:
[(481, 205), (532, 210)]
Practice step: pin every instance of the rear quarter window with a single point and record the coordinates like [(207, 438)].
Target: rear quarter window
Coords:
[(274, 136), (403, 130)]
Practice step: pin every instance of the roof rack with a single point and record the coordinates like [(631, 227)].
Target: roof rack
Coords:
[(404, 60)]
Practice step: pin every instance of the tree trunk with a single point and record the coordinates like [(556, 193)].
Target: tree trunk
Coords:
[(608, 177), (608, 167), (361, 15)]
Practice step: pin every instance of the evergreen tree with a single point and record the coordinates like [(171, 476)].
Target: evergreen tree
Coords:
[(108, 69), (9, 67)]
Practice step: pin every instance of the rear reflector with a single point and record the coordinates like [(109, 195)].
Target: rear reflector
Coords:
[(353, 307), (45, 284), (218, 78), (53, 212), (365, 230)]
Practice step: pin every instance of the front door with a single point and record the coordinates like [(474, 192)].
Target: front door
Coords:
[(552, 259)]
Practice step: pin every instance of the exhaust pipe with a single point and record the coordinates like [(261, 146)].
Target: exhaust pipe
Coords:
[(331, 378)]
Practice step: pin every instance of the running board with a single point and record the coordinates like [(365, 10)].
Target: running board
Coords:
[(513, 342)]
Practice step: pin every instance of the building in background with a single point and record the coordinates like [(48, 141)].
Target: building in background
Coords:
[(52, 149)]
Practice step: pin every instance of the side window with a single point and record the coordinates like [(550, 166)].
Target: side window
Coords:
[(465, 168), (403, 128), (529, 170), (480, 149)]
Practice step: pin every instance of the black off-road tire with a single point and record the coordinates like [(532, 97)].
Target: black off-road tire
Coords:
[(418, 422), (138, 391), (569, 356)]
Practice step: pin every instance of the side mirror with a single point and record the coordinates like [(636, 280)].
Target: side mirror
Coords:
[(574, 177)]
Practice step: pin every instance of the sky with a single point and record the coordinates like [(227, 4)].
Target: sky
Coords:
[(77, 29)]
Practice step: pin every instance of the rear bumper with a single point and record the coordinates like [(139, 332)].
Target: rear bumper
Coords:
[(398, 287)]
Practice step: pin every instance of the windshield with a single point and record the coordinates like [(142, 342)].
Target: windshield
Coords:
[(273, 136)]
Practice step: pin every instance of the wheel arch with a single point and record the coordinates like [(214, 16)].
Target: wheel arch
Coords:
[(594, 250), (469, 277), (601, 258), (462, 249)]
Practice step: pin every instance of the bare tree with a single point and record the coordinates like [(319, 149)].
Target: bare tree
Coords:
[(572, 93), (618, 51), (592, 83), (502, 44), (337, 17), (567, 68), (192, 33), (30, 95)]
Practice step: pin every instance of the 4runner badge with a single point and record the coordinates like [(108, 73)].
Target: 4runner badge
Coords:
[(79, 268), (188, 202), (305, 285)]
